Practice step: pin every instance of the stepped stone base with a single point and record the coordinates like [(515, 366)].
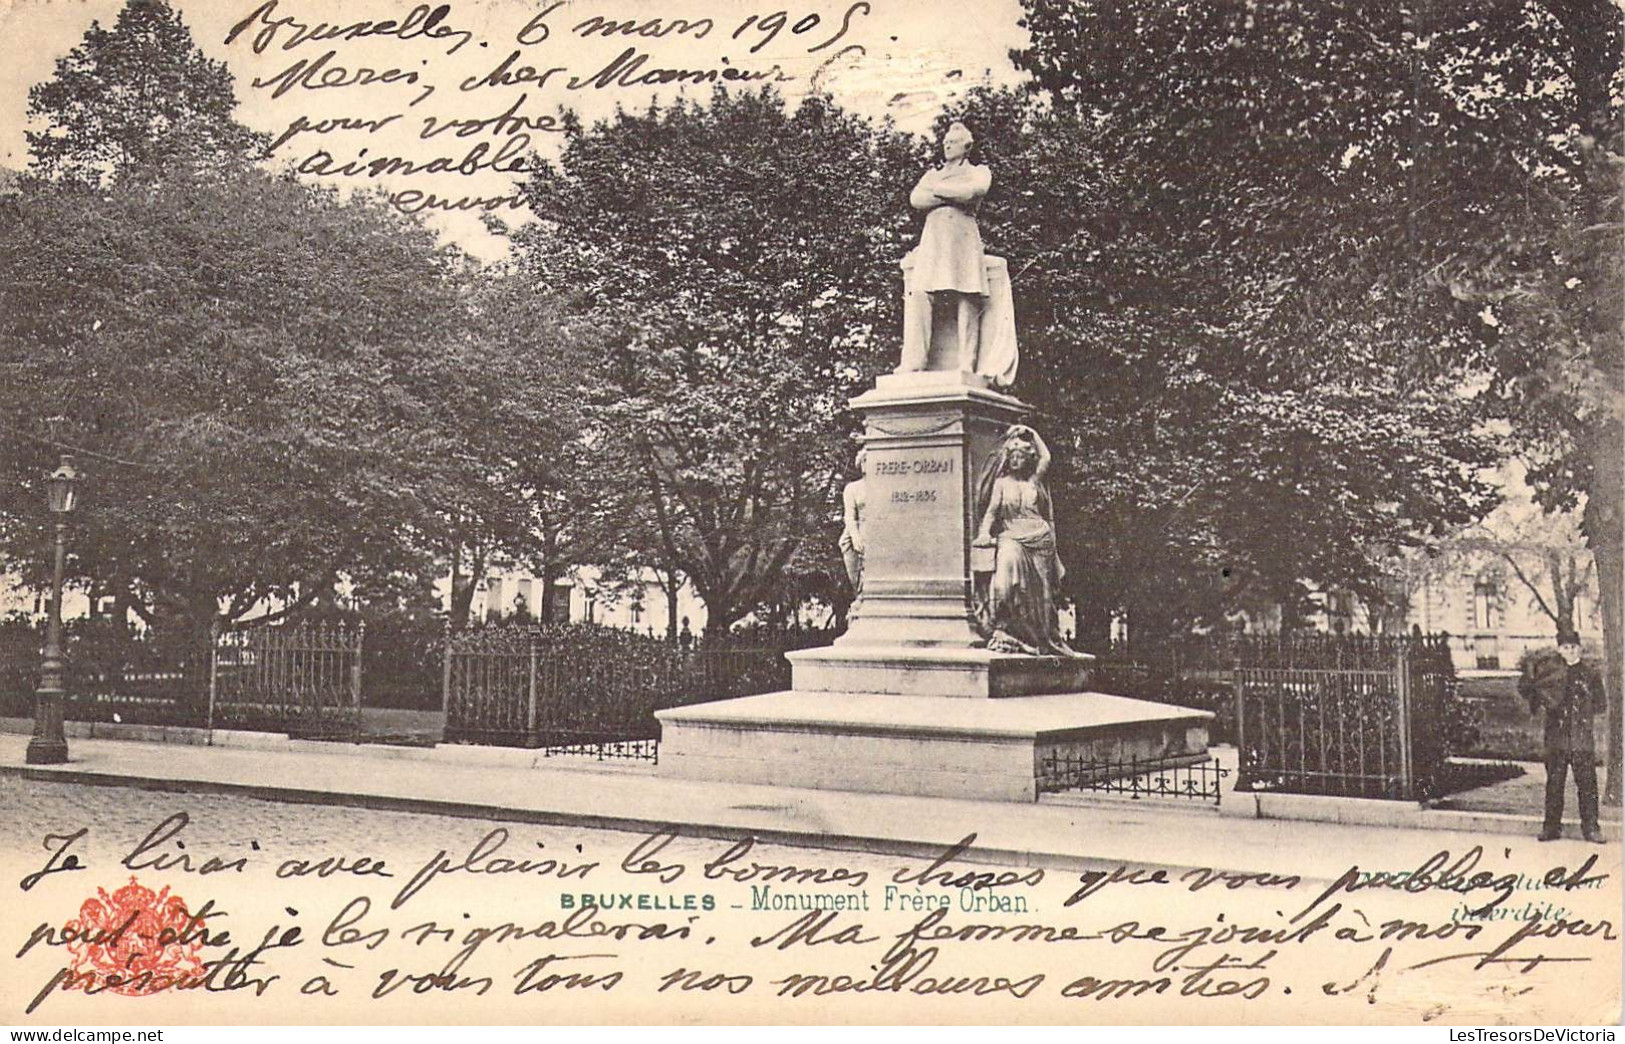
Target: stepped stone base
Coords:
[(975, 749), (934, 671), (908, 700)]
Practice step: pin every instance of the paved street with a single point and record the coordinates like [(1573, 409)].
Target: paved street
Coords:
[(228, 825)]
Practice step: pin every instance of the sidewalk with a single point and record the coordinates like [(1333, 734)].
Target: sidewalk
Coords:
[(1062, 831)]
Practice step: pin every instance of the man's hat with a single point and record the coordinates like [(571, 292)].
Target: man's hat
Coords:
[(1568, 636)]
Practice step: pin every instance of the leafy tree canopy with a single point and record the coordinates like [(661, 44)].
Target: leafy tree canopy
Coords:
[(274, 366), (129, 97), (1207, 465), (1447, 175), (746, 253)]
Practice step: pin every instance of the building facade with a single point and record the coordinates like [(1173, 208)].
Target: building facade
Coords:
[(582, 596)]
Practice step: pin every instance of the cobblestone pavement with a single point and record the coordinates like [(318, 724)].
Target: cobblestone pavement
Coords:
[(229, 825)]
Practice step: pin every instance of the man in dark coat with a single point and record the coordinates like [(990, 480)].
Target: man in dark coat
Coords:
[(1568, 690)]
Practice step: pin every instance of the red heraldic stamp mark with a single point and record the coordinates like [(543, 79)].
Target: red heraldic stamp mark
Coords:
[(134, 942)]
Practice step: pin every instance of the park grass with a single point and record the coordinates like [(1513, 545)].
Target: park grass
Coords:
[(1508, 731)]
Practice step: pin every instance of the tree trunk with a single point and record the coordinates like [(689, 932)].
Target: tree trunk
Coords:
[(549, 598), (671, 582), (549, 568), (1293, 619), (463, 599), (1612, 576), (455, 618), (719, 618), (547, 595), (1562, 592), (1094, 625), (1604, 525), (196, 634), (123, 603)]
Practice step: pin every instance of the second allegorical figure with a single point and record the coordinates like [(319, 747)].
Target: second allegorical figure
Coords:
[(1017, 612)]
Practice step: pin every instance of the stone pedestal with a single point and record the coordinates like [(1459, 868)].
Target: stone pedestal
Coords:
[(926, 435), (908, 700), (986, 750), (913, 633)]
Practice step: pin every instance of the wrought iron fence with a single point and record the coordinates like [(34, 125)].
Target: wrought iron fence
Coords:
[(303, 678), (1164, 778), (1337, 735), (587, 690), (113, 673), (1222, 653), (1367, 731)]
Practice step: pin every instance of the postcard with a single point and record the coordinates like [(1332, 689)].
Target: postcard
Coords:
[(859, 512)]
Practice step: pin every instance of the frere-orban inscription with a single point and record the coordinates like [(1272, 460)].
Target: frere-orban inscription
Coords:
[(927, 468), (918, 466)]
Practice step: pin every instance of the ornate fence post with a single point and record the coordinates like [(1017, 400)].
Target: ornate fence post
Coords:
[(1243, 780), (1407, 712), (355, 668), (530, 690), (445, 670), (214, 674)]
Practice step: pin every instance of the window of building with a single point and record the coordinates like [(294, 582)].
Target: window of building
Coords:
[(561, 604), (1486, 605)]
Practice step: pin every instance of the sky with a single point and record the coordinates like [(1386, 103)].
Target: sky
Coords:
[(387, 93)]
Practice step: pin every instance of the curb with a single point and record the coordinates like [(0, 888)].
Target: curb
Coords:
[(1365, 812), (979, 854)]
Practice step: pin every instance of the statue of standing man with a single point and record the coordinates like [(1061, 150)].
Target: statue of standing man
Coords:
[(948, 264), (957, 310)]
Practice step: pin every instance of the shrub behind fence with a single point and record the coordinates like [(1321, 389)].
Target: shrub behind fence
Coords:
[(586, 689), (1357, 715), (111, 673)]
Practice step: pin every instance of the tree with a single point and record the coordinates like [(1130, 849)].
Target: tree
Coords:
[(527, 488), (1204, 466), (745, 256), (132, 97), (259, 371), (1549, 560), (1449, 174), (1545, 554)]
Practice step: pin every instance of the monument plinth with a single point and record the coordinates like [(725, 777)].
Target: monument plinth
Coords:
[(915, 631), (925, 435), (952, 679)]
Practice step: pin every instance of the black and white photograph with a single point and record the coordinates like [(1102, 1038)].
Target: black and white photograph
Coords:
[(901, 513)]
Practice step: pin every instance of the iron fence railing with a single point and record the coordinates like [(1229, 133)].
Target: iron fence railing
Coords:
[(1375, 733), (588, 691), (1356, 715), (1199, 779), (303, 678)]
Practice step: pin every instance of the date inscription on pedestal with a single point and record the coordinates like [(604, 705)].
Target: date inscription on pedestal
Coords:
[(919, 467)]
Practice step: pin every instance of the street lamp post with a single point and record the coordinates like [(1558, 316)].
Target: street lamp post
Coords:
[(49, 744)]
